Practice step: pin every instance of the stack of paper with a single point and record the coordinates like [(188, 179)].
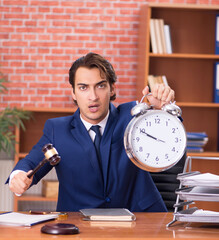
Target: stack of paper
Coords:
[(199, 194), (204, 179), (20, 219), (197, 215)]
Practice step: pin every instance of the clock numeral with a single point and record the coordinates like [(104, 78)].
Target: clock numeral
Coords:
[(157, 120), (142, 130), (173, 130), (140, 149), (167, 123), (148, 124), (137, 139), (157, 159), (166, 156), (173, 149), (147, 155), (176, 140)]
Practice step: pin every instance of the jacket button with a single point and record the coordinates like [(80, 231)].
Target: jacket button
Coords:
[(107, 199)]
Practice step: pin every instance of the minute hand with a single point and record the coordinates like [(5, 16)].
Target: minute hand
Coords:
[(157, 139)]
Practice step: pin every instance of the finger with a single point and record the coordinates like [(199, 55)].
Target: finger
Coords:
[(20, 183), (171, 96), (17, 187), (158, 91), (145, 90), (165, 95)]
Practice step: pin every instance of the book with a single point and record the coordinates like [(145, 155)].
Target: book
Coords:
[(194, 149), (107, 214), (217, 35), (26, 220), (197, 137), (162, 35), (168, 40), (196, 141), (153, 37), (216, 82), (158, 36)]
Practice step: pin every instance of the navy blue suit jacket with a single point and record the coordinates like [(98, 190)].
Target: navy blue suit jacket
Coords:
[(80, 181)]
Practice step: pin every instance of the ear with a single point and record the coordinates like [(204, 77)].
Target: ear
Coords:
[(73, 95), (112, 90)]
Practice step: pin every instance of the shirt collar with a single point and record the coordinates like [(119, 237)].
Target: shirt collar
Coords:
[(102, 123)]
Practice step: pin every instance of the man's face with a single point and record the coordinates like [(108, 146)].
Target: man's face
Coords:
[(92, 93)]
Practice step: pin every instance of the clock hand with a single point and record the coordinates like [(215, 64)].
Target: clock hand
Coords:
[(157, 139)]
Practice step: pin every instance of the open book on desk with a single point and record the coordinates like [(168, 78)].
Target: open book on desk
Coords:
[(107, 214), (21, 219)]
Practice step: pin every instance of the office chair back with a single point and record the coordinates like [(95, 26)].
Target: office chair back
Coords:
[(167, 183)]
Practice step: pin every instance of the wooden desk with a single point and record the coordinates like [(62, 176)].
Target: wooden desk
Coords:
[(147, 226)]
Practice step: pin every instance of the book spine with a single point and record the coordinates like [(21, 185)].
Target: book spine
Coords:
[(218, 132), (217, 35), (153, 37), (168, 39), (162, 35), (216, 82), (158, 37)]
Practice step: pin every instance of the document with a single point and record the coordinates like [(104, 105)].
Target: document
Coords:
[(197, 215), (199, 193), (205, 179), (20, 219), (107, 214)]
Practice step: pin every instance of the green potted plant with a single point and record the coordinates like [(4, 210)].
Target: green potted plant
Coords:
[(9, 118)]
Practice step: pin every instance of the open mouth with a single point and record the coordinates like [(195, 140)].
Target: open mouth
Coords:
[(94, 108)]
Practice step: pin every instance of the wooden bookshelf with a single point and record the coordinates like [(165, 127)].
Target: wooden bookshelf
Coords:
[(28, 138), (189, 69)]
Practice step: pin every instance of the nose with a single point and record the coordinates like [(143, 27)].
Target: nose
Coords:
[(93, 94)]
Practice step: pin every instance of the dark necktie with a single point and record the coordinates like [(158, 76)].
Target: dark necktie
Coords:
[(96, 129)]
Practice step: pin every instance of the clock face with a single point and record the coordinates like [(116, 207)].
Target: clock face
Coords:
[(155, 141)]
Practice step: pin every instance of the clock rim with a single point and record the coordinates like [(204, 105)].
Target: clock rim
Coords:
[(130, 152)]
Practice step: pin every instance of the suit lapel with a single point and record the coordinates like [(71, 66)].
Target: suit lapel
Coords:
[(81, 135), (106, 142)]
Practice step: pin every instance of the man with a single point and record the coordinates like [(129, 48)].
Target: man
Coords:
[(89, 177)]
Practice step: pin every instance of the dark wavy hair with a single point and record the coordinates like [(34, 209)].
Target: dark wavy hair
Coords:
[(94, 60)]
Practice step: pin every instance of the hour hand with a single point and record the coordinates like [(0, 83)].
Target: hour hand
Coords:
[(148, 135)]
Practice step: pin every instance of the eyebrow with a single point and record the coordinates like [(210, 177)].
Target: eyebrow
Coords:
[(84, 84)]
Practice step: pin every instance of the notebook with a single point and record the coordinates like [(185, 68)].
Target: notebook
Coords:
[(107, 214), (20, 219)]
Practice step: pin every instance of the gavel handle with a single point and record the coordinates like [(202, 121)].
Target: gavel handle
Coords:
[(37, 168)]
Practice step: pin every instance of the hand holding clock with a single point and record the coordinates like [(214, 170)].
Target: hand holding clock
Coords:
[(160, 95)]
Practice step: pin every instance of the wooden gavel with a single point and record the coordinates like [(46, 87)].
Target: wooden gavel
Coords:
[(51, 156)]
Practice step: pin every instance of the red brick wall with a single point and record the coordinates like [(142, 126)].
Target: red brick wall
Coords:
[(41, 38)]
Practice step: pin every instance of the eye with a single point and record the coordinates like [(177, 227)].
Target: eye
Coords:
[(102, 85), (83, 87)]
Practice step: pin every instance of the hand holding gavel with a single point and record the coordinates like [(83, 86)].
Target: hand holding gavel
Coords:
[(51, 156)]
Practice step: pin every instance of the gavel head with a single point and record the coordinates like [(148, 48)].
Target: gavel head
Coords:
[(51, 154)]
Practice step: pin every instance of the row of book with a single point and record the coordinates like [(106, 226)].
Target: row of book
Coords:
[(196, 141), (160, 37)]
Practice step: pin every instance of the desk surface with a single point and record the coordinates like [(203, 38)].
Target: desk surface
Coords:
[(147, 226)]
